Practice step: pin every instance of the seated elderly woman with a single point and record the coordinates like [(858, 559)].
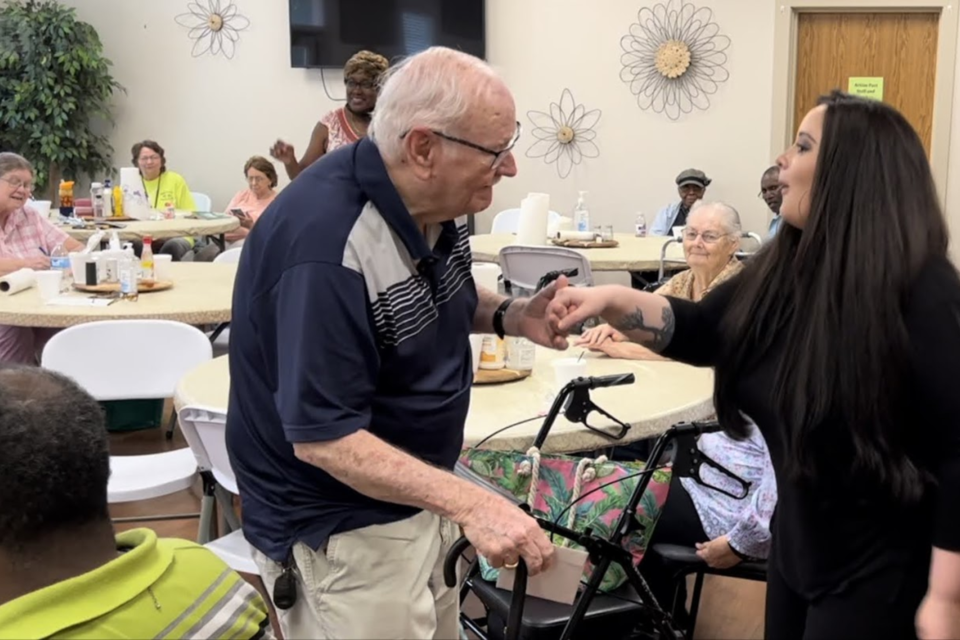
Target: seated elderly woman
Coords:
[(723, 528), (250, 203), (710, 242), (163, 187), (26, 241)]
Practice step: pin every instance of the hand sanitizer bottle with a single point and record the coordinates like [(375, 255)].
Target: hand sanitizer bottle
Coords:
[(581, 217)]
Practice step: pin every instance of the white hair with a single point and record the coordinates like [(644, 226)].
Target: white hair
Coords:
[(729, 218), (434, 88)]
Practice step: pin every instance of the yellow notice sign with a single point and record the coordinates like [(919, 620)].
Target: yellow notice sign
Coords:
[(871, 88)]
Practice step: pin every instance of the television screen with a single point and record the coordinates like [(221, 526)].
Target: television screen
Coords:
[(325, 33)]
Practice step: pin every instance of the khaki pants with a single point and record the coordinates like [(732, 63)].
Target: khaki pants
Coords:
[(383, 581)]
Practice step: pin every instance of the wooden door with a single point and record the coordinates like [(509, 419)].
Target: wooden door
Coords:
[(901, 48)]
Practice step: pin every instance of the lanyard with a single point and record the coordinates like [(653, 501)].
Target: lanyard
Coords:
[(156, 196)]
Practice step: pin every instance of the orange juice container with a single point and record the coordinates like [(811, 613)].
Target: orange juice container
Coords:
[(66, 198)]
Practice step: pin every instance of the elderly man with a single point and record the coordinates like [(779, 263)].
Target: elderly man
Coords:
[(63, 574), (691, 186), (350, 363)]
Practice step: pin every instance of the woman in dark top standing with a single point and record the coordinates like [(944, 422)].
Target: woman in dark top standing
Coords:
[(841, 339)]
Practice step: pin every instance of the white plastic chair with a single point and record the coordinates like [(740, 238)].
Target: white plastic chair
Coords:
[(202, 200), (203, 429), (220, 337), (230, 256), (102, 358), (524, 266), (508, 221)]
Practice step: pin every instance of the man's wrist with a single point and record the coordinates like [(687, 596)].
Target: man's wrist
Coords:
[(511, 318), (499, 317)]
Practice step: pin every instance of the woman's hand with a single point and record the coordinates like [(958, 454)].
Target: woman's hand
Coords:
[(246, 222), (37, 263), (283, 152), (572, 305), (598, 335), (717, 553), (938, 619)]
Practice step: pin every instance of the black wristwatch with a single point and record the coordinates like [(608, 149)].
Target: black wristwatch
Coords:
[(498, 317)]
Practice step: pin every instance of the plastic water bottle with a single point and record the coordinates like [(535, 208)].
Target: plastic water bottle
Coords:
[(96, 199), (128, 269), (107, 198), (60, 259), (581, 216), (641, 226)]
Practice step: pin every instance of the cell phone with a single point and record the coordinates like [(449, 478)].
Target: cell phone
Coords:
[(238, 212)]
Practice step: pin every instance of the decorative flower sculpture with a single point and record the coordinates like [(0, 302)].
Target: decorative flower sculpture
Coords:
[(674, 58), (214, 26), (564, 135)]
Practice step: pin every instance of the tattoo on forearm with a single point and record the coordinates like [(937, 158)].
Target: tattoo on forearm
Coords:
[(660, 336)]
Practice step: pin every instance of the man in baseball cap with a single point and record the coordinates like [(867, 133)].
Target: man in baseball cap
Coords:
[(691, 185)]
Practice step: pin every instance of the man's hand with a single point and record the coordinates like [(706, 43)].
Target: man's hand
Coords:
[(570, 306), (531, 317), (938, 619), (717, 553), (503, 534), (283, 152)]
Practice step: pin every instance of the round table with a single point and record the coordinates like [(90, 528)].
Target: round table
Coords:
[(161, 229), (633, 254), (202, 293), (664, 394)]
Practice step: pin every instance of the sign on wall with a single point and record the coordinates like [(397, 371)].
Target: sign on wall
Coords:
[(871, 88)]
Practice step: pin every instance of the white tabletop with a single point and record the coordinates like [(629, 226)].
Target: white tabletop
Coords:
[(202, 293), (633, 254), (664, 394), (180, 227)]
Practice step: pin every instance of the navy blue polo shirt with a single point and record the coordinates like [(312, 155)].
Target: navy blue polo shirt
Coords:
[(345, 317)]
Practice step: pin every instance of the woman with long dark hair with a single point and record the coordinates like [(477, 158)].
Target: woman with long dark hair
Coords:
[(841, 340)]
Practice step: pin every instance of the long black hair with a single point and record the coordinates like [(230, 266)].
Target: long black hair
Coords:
[(831, 297)]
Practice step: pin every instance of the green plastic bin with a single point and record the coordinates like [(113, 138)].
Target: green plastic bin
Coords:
[(133, 415)]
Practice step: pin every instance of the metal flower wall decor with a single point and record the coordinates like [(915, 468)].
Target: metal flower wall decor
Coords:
[(565, 135), (673, 58), (215, 26)]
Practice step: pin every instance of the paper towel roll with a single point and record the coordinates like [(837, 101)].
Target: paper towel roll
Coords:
[(575, 235), (17, 281), (534, 215), (486, 275)]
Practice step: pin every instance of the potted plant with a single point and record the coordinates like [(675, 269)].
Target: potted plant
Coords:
[(55, 92)]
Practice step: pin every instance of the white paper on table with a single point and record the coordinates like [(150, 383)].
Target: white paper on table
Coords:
[(69, 301), (559, 583), (18, 281)]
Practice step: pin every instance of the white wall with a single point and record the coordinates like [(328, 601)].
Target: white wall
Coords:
[(211, 113)]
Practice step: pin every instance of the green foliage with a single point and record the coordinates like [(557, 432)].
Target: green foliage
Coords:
[(55, 90)]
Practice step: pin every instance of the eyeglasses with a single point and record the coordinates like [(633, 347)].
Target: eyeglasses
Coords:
[(498, 156), (366, 85), (709, 237), (17, 184), (256, 179), (149, 158)]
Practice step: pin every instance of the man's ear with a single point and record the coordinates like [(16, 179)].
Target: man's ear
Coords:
[(421, 151)]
